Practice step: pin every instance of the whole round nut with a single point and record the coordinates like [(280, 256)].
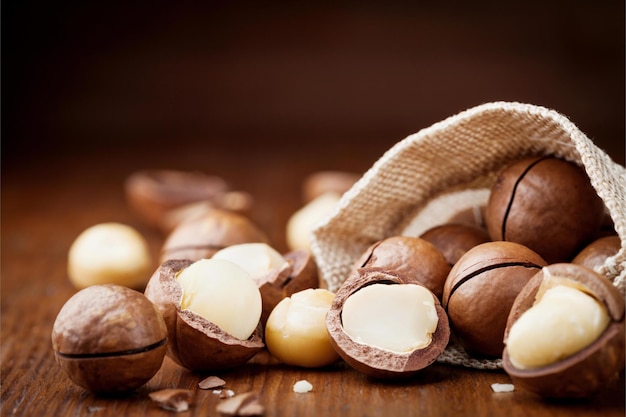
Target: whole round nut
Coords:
[(109, 253), (597, 252), (582, 372), (195, 342), (396, 310), (480, 290), (547, 204), (408, 256), (454, 239), (201, 237), (109, 338)]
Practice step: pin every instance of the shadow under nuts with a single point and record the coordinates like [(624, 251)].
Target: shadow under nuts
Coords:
[(480, 290), (386, 325), (109, 338), (546, 204), (212, 310), (565, 333)]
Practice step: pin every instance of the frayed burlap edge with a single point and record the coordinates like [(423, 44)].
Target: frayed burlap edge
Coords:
[(463, 152)]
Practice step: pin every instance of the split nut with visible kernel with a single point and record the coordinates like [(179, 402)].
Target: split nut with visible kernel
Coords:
[(109, 338), (386, 325), (212, 310), (565, 333)]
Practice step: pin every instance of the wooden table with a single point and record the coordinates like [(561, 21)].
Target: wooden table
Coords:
[(46, 203)]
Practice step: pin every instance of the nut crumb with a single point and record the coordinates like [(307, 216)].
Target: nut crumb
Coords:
[(302, 386), (211, 382), (246, 404), (502, 387), (227, 393), (172, 399)]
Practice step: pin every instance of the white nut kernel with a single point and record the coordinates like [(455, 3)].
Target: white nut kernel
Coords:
[(295, 332), (560, 323), (258, 259), (303, 386), (302, 222), (399, 318), (109, 253), (223, 293)]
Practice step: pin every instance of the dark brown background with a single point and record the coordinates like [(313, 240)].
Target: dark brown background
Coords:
[(114, 76)]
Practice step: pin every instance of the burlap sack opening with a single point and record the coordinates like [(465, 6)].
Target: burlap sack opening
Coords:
[(455, 161)]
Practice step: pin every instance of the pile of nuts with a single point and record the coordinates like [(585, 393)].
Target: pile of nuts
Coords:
[(222, 293)]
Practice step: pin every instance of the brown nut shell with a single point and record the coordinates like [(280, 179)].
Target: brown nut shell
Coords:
[(196, 343), (322, 182), (372, 361), (151, 193), (589, 370), (547, 204), (201, 237), (480, 290), (408, 256), (597, 252), (109, 338), (454, 239), (301, 275)]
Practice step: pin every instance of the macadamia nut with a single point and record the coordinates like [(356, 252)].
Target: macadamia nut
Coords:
[(562, 322), (109, 253), (223, 293), (302, 222), (398, 318), (296, 333)]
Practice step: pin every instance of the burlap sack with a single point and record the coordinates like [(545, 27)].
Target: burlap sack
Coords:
[(448, 167)]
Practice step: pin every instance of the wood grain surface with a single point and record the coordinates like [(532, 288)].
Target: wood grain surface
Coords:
[(262, 96)]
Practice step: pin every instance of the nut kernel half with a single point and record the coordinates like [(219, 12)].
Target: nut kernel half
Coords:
[(592, 368), (223, 293), (562, 322), (398, 318), (371, 360)]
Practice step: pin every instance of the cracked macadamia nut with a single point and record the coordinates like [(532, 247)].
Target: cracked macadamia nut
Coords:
[(398, 318), (565, 333), (109, 338), (109, 253), (223, 293), (212, 311), (386, 325), (546, 204), (480, 290), (295, 332)]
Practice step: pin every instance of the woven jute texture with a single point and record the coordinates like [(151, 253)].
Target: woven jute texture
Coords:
[(449, 167)]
